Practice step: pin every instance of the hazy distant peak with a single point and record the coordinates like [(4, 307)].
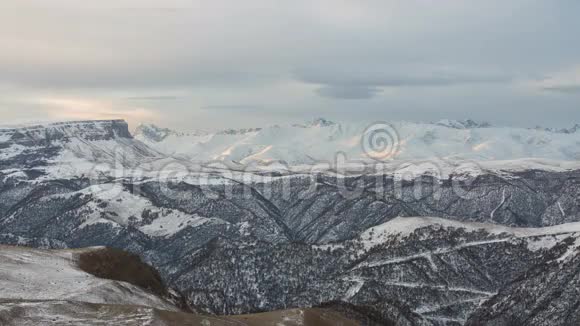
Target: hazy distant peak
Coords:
[(463, 124), (571, 130), (318, 122), (152, 132), (238, 131)]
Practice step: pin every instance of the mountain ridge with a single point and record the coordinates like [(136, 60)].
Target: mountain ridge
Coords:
[(91, 129), (321, 140), (408, 245)]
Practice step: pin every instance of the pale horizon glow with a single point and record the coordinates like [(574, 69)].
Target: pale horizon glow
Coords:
[(219, 64)]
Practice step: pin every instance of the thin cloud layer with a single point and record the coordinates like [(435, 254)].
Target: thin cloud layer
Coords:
[(561, 82), (365, 82), (58, 108), (415, 60)]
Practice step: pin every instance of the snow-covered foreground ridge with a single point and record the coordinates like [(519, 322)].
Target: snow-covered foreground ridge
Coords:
[(321, 139), (42, 275), (54, 287)]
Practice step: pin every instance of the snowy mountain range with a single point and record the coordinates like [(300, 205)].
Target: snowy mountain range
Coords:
[(425, 249), (320, 140)]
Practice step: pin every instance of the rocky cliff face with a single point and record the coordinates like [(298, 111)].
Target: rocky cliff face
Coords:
[(64, 131), (72, 147)]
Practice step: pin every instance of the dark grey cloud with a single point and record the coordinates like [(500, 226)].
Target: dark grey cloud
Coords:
[(394, 77), (367, 81)]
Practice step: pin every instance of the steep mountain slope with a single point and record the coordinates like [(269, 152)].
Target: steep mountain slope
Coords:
[(40, 275), (415, 271), (401, 244), (311, 209), (422, 271), (83, 287), (546, 294), (321, 139), (234, 248)]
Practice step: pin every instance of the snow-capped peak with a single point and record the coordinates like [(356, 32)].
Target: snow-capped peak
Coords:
[(149, 132), (321, 139), (318, 122), (152, 132), (574, 129), (238, 131)]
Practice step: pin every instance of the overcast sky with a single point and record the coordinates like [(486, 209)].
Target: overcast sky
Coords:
[(215, 64)]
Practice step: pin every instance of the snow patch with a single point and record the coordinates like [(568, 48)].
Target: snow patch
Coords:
[(174, 222), (116, 206), (354, 289), (570, 252), (403, 226)]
